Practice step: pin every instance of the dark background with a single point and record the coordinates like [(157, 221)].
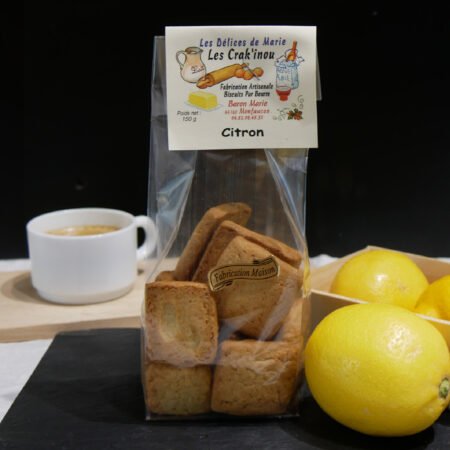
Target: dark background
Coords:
[(381, 175)]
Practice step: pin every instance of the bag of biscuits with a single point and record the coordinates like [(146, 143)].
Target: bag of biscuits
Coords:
[(226, 312)]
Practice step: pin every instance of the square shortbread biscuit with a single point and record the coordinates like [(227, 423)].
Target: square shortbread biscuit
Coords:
[(177, 391), (296, 325), (189, 259), (181, 325), (225, 233), (255, 377), (256, 308), (166, 275)]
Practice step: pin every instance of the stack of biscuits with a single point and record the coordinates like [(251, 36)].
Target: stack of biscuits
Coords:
[(237, 350)]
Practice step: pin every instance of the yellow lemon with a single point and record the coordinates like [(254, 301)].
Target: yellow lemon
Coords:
[(379, 369), (435, 300), (381, 276)]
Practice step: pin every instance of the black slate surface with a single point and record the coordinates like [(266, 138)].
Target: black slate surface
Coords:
[(86, 394)]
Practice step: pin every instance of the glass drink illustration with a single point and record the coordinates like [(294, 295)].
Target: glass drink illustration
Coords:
[(291, 55), (287, 72), (283, 91)]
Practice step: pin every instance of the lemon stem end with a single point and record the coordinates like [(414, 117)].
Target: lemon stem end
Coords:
[(444, 388)]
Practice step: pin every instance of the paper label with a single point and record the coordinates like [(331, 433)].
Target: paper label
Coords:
[(241, 87), (264, 269)]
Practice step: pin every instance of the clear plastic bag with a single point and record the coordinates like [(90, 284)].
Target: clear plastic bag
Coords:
[(231, 220)]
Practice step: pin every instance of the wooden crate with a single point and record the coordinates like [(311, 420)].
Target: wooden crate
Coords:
[(324, 302)]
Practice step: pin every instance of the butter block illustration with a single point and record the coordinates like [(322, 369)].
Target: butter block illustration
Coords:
[(204, 100)]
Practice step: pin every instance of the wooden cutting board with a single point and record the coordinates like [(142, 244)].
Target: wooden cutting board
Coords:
[(24, 315)]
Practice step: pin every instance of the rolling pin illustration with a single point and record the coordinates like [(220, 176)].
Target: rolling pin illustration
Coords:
[(219, 75)]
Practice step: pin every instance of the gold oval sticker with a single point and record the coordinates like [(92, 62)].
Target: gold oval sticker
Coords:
[(263, 269)]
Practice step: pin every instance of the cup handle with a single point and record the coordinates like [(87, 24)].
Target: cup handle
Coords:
[(177, 56), (147, 247)]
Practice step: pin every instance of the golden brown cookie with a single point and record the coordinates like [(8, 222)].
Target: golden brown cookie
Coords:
[(181, 324), (256, 308), (177, 391), (295, 326), (255, 378), (189, 259), (166, 275), (225, 233)]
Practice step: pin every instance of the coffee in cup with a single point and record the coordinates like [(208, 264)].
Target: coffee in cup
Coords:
[(86, 255), (83, 230)]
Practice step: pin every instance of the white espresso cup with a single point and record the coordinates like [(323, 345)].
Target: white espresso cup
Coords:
[(81, 269)]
